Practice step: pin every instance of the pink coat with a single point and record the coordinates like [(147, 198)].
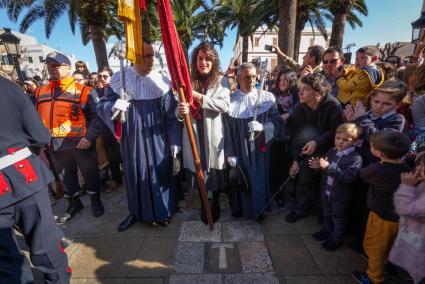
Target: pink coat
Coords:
[(408, 250)]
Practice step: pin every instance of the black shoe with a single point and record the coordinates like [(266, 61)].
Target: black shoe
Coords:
[(216, 206), (74, 206), (65, 242), (236, 214), (96, 205), (361, 277), (293, 217), (331, 244), (321, 235), (127, 223)]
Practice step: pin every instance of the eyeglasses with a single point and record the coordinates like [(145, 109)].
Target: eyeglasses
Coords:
[(332, 61), (103, 76)]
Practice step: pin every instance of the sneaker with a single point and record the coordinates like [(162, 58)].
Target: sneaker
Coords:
[(331, 244), (293, 217), (321, 235), (361, 277)]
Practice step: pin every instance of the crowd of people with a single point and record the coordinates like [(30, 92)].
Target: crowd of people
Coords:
[(350, 138)]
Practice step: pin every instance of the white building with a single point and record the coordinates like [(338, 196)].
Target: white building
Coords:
[(261, 38), (160, 62), (32, 54)]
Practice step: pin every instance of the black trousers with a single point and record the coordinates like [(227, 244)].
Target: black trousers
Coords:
[(307, 188), (67, 163), (113, 152), (33, 216)]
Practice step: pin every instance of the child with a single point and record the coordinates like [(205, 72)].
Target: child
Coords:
[(382, 114), (312, 124), (341, 164), (357, 81), (408, 251), (383, 179)]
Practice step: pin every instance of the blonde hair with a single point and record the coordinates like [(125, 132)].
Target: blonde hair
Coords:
[(351, 129)]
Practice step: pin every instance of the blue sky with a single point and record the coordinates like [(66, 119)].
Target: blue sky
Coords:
[(388, 21)]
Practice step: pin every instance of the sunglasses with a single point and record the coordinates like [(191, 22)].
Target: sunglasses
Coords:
[(332, 61)]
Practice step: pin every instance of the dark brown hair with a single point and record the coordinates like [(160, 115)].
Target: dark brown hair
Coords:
[(317, 82), (215, 70), (393, 144), (396, 89)]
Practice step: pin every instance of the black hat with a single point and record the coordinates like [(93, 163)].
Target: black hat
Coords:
[(57, 58), (237, 179)]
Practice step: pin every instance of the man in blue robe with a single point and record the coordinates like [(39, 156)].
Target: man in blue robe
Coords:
[(252, 157), (151, 136)]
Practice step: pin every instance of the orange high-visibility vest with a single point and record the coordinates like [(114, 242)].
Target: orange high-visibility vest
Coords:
[(63, 115)]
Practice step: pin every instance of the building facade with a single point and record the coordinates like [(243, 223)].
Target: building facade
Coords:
[(261, 37), (32, 55)]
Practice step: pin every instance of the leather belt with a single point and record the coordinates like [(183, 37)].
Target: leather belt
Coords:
[(15, 157)]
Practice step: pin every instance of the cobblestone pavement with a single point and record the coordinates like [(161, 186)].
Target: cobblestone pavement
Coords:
[(237, 251)]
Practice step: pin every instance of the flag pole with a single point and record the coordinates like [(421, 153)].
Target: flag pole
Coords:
[(197, 163)]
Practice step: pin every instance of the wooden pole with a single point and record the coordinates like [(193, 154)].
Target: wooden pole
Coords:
[(197, 163)]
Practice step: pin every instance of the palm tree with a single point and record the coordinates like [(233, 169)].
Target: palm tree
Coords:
[(244, 15), (96, 19), (287, 20), (343, 11), (309, 11)]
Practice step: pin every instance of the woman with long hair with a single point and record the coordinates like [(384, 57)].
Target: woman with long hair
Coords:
[(286, 93), (82, 67), (211, 92)]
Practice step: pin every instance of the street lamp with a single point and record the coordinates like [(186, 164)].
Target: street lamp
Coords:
[(11, 44), (417, 27)]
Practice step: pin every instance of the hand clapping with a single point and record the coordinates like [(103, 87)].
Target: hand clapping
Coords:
[(352, 113)]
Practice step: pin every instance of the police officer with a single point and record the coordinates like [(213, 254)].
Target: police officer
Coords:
[(68, 110), (24, 200)]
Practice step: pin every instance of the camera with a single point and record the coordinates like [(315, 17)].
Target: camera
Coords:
[(268, 47)]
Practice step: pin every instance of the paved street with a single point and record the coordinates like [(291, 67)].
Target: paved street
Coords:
[(237, 251)]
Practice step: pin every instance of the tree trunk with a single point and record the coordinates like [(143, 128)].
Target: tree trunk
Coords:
[(146, 24), (99, 45), (297, 42), (338, 27), (244, 49), (287, 20)]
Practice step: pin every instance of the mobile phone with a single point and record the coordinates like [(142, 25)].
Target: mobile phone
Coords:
[(268, 47)]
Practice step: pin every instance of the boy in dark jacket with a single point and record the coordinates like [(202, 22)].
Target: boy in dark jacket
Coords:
[(313, 123), (341, 166), (383, 179)]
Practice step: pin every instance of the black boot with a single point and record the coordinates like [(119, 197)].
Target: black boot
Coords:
[(96, 205), (74, 206), (216, 206)]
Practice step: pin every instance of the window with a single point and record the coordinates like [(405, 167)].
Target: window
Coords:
[(275, 41), (30, 59), (256, 41), (41, 58), (312, 41)]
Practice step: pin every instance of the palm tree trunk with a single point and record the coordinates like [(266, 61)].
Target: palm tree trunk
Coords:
[(99, 45), (146, 24), (338, 26), (244, 49), (287, 19), (297, 42)]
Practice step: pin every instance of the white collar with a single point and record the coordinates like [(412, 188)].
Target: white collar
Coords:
[(345, 152), (151, 86), (243, 105)]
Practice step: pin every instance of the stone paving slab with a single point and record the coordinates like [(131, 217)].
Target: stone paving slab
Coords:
[(319, 280), (189, 257), (155, 257), (195, 279), (290, 256), (196, 231), (242, 232), (222, 258), (103, 257), (341, 261), (251, 278), (118, 281), (255, 257), (276, 225)]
